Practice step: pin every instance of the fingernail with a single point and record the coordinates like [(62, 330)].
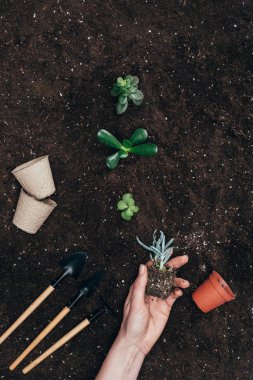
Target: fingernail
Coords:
[(186, 282), (141, 269)]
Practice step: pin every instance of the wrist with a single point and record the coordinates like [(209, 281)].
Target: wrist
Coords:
[(128, 355), (126, 345)]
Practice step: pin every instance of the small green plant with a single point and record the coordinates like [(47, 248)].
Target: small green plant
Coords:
[(126, 89), (135, 144), (161, 252), (127, 206)]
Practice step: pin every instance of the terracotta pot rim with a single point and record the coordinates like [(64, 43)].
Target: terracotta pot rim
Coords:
[(221, 286), (28, 164)]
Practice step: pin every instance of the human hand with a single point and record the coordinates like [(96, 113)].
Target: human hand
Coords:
[(144, 319), (144, 316)]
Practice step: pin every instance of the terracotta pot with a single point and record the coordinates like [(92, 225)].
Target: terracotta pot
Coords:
[(30, 213), (212, 293), (36, 178)]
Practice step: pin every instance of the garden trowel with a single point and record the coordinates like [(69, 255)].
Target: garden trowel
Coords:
[(73, 265), (85, 290), (67, 337)]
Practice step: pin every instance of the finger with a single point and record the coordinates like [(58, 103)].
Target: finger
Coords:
[(174, 295), (180, 282), (149, 263), (129, 296), (177, 262), (139, 286)]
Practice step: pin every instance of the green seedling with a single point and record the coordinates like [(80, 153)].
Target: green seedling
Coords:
[(135, 144), (160, 250), (127, 206), (125, 90)]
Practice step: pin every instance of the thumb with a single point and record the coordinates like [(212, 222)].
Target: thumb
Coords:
[(139, 286)]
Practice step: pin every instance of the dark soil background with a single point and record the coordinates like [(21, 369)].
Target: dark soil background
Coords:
[(194, 60)]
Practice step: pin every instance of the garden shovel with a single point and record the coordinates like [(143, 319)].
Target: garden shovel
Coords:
[(67, 337), (85, 290), (73, 266)]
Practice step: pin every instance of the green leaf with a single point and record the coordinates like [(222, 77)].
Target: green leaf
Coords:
[(138, 95), (129, 212), (139, 136), (127, 196), (134, 208), (133, 89), (137, 102), (120, 81), (121, 108), (130, 202), (127, 144), (125, 216), (128, 83), (144, 149), (123, 154), (108, 139), (135, 81), (113, 160), (130, 78), (121, 205), (122, 99), (115, 90)]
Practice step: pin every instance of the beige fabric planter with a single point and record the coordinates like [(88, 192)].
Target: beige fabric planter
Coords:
[(36, 178), (30, 213)]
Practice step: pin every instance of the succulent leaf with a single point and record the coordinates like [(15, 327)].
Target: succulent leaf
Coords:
[(123, 154), (160, 255), (130, 202), (108, 139), (127, 144), (129, 212), (134, 208), (121, 108), (139, 136), (122, 99), (121, 205), (127, 206), (126, 89), (147, 149), (130, 78), (115, 90), (135, 80), (137, 102), (127, 196), (138, 95), (113, 160), (125, 216)]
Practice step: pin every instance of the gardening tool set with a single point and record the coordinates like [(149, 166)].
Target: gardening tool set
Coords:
[(73, 266)]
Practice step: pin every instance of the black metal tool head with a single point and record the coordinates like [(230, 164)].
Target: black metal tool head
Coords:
[(86, 288), (73, 265)]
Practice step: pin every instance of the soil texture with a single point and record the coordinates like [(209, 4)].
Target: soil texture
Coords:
[(59, 60), (160, 282)]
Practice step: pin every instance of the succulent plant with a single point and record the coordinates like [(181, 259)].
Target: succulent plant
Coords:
[(126, 89), (161, 252), (127, 206), (135, 144)]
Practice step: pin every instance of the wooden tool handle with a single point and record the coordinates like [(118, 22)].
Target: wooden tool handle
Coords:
[(27, 312), (40, 337), (57, 345)]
